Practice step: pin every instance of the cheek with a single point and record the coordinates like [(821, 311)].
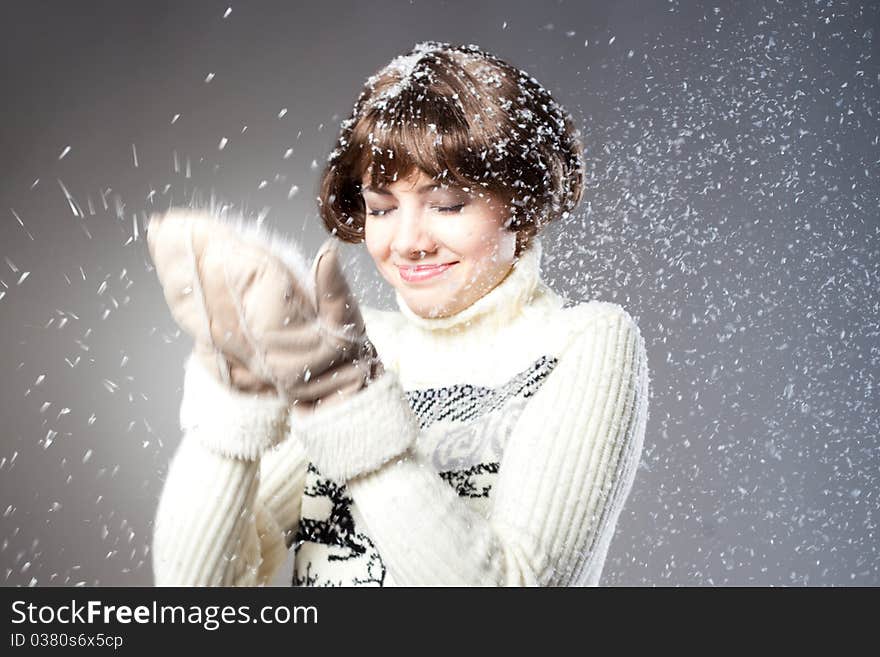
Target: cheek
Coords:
[(377, 241), (487, 240), (483, 232), (468, 236)]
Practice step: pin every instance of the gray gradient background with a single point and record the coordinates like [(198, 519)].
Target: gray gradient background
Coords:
[(731, 207)]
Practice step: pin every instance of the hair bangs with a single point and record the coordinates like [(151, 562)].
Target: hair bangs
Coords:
[(416, 130), (462, 117)]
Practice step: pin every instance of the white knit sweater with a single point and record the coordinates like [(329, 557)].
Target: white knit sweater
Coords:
[(497, 449)]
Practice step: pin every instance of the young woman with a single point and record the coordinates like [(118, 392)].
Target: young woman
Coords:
[(484, 434)]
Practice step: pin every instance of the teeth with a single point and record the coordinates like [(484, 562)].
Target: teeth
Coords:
[(428, 267)]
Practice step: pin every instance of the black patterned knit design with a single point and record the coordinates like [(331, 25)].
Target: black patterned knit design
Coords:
[(464, 402), (327, 534), (466, 482), (337, 530)]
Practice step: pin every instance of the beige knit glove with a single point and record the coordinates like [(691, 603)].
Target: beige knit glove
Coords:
[(264, 322)]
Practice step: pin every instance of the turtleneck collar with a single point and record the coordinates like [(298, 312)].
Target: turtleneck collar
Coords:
[(502, 302)]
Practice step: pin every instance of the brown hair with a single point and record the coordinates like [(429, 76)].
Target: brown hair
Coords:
[(462, 116)]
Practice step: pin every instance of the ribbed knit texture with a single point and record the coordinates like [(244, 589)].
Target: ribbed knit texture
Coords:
[(498, 449), (344, 450), (239, 425)]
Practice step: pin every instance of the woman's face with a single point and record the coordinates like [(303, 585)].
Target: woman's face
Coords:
[(440, 247)]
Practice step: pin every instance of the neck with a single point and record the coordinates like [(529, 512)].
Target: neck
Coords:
[(498, 306)]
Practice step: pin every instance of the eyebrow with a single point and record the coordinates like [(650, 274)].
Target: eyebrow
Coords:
[(385, 192)]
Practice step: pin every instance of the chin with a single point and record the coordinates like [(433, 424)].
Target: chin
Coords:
[(427, 310)]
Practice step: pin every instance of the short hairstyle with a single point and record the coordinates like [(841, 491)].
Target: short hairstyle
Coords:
[(466, 118)]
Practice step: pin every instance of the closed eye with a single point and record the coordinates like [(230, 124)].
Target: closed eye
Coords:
[(452, 209)]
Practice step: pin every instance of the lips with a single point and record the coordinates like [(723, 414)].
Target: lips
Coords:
[(416, 273)]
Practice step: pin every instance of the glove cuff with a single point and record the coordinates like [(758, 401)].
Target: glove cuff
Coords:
[(227, 421), (358, 434)]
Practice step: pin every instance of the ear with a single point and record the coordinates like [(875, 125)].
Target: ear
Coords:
[(333, 298)]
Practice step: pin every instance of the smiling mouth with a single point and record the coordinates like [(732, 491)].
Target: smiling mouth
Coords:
[(416, 273)]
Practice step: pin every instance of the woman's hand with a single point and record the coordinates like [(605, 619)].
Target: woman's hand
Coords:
[(264, 322)]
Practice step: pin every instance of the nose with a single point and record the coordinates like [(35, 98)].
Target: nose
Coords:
[(412, 237)]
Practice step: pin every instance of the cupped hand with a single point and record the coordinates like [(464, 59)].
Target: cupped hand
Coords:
[(264, 321)]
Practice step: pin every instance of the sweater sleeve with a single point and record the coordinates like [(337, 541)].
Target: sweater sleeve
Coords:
[(230, 503), (565, 474)]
